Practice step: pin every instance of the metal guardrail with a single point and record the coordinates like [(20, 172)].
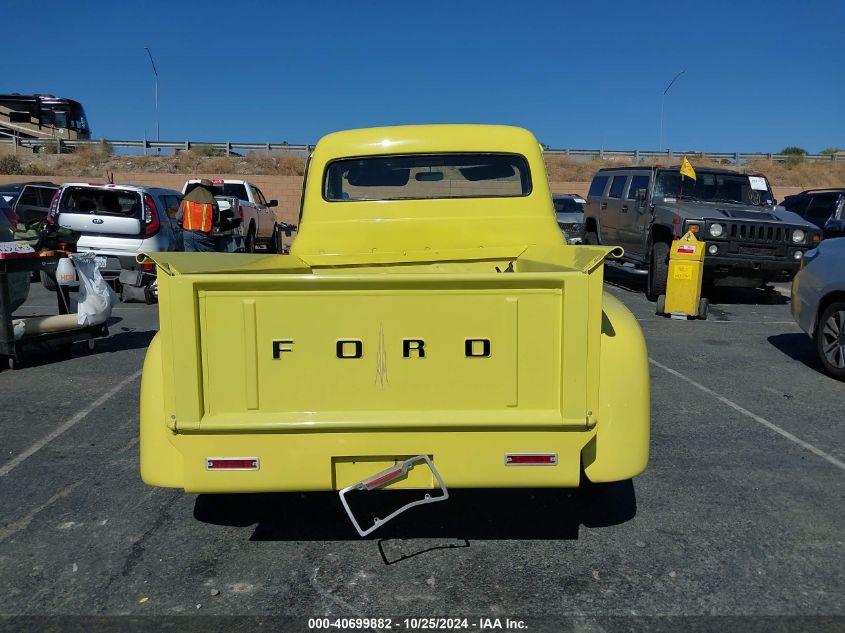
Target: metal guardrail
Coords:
[(58, 144), (228, 148)]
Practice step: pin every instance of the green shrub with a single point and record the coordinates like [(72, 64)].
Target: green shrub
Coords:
[(207, 150), (11, 165)]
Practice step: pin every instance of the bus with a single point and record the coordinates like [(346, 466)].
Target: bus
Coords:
[(42, 117)]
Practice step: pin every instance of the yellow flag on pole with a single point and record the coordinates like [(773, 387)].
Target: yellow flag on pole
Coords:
[(686, 169)]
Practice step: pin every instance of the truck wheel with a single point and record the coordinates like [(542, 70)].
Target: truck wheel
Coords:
[(830, 339), (658, 270), (660, 308), (276, 241), (703, 308), (48, 282), (591, 237), (249, 240)]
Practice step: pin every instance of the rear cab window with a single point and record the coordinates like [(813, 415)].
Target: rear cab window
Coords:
[(427, 176), (116, 202), (226, 189)]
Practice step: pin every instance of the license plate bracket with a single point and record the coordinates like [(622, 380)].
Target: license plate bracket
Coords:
[(101, 261), (384, 478)]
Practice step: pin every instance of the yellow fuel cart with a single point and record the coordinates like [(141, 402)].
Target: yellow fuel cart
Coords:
[(683, 287)]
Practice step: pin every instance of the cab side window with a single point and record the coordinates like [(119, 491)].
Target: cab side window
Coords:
[(597, 186), (637, 182), (259, 197), (617, 186)]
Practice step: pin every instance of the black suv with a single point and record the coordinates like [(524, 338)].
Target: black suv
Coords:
[(822, 207)]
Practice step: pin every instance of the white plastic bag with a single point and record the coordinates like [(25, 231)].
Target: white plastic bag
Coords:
[(96, 299)]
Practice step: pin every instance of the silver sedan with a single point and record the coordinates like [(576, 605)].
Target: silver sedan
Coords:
[(818, 302)]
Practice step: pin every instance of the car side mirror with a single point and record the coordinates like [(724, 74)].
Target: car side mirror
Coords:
[(273, 203), (288, 229), (642, 194)]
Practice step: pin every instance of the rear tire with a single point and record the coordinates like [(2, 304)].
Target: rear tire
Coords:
[(703, 308), (48, 282), (249, 240), (276, 241), (660, 308), (658, 270), (591, 237), (830, 339)]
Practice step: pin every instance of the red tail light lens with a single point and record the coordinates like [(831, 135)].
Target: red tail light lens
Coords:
[(232, 463), (531, 459), (148, 267), (241, 211), (150, 216), (52, 214)]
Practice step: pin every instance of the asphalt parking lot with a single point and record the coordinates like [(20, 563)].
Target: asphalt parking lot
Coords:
[(740, 512)]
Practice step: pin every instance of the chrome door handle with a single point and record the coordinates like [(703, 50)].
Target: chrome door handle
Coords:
[(624, 208), (603, 206)]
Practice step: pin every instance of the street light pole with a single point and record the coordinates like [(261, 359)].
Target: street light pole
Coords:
[(662, 99), (155, 72)]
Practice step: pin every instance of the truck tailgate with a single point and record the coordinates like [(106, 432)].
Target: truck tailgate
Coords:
[(281, 350)]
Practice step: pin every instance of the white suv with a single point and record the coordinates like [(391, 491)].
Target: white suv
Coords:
[(117, 222)]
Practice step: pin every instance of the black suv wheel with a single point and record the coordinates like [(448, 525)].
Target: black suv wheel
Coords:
[(658, 270)]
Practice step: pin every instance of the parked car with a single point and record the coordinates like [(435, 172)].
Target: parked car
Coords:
[(258, 221), (818, 302), (750, 242), (118, 222), (569, 210), (823, 207), (18, 282), (33, 202)]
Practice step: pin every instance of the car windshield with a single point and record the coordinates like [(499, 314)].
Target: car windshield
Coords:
[(568, 205), (714, 187), (421, 176), (78, 121)]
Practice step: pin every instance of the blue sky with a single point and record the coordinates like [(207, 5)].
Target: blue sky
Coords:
[(759, 75)]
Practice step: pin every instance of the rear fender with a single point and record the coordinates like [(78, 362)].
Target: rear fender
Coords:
[(619, 449), (161, 464)]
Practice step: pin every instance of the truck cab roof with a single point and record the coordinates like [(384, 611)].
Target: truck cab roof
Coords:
[(425, 187)]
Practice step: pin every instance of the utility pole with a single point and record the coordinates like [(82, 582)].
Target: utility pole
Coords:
[(662, 99), (155, 73)]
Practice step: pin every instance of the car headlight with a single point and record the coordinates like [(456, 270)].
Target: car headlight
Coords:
[(798, 236), (716, 230)]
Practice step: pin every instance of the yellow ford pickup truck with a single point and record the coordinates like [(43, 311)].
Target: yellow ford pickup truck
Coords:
[(430, 328)]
